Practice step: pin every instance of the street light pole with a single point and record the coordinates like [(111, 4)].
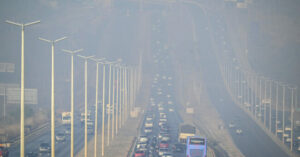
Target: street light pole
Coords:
[(109, 105), (103, 110), (113, 106), (96, 105), (22, 137), (117, 103), (72, 97), (85, 101), (52, 93)]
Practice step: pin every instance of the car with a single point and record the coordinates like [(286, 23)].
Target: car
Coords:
[(231, 125), (162, 123), (60, 137), (161, 151), (4, 151), (67, 131), (163, 144), (149, 124), (148, 129), (167, 154), (163, 120), (239, 131), (165, 137), (90, 130), (45, 148), (31, 154), (143, 139), (139, 153), (178, 147)]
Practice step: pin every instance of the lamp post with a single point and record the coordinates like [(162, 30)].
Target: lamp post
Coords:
[(52, 42), (96, 104), (22, 137), (72, 97), (85, 102), (110, 113), (103, 110)]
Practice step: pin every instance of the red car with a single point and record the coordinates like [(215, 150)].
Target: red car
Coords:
[(3, 152), (163, 144), (139, 154)]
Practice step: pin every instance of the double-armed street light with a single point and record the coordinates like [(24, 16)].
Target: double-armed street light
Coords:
[(96, 103), (22, 137), (85, 101), (72, 97), (52, 42)]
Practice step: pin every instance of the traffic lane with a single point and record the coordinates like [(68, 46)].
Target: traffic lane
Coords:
[(61, 149), (252, 137), (254, 142)]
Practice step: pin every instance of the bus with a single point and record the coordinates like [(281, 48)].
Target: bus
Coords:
[(196, 146)]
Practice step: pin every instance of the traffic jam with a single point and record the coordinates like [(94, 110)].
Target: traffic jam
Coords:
[(159, 128)]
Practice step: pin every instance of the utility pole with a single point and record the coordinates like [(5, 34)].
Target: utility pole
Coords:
[(52, 94), (72, 97), (85, 101), (22, 137)]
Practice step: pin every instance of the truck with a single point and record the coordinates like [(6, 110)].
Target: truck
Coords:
[(66, 118), (185, 130)]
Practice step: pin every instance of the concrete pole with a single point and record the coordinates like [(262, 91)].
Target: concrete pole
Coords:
[(109, 105), (283, 110), (85, 108), (117, 102), (103, 110), (121, 98), (276, 110), (260, 98), (113, 105), (85, 100), (265, 104), (126, 94), (72, 106), (292, 119), (255, 94), (96, 111), (270, 110), (52, 94), (72, 98), (52, 104), (22, 137)]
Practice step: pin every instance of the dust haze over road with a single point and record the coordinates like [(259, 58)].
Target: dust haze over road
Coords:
[(193, 38)]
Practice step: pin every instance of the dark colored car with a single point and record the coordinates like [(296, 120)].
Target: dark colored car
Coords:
[(45, 148), (31, 154), (178, 147), (4, 152)]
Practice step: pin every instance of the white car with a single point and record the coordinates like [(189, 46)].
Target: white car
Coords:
[(231, 125), (239, 131), (149, 124), (162, 151), (143, 139)]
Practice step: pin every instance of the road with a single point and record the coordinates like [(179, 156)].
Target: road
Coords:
[(253, 141)]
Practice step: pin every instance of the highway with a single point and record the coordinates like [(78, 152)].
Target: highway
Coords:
[(253, 141)]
